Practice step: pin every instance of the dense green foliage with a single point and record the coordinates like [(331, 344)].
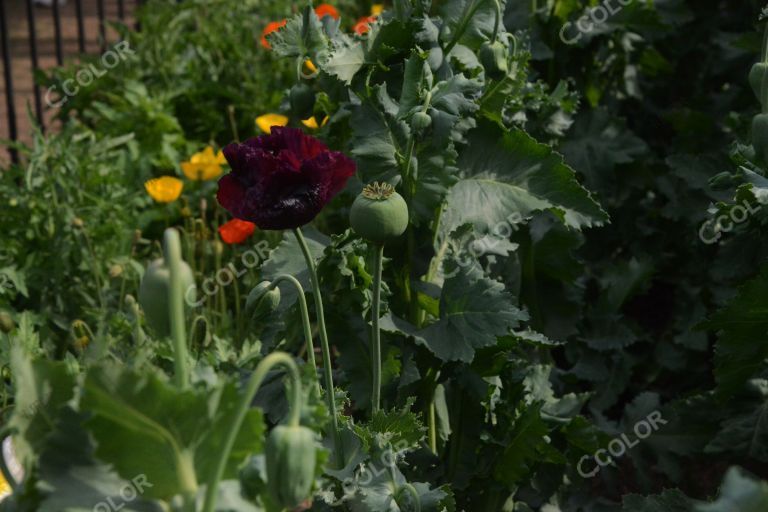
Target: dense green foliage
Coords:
[(584, 256)]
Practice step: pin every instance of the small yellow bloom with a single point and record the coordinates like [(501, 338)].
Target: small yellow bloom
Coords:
[(203, 166), (310, 66), (164, 190), (5, 489), (267, 121), (377, 9), (311, 123)]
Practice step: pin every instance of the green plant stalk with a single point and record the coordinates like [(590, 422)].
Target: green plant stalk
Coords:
[(338, 451), (414, 494), (251, 389), (176, 307), (304, 319), (375, 331), (764, 84)]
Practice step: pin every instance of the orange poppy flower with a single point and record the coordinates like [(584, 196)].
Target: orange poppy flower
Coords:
[(363, 24), (236, 231), (272, 26), (326, 10)]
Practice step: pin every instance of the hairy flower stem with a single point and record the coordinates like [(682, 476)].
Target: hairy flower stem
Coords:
[(764, 83), (304, 319), (251, 389), (375, 331), (338, 450), (172, 253)]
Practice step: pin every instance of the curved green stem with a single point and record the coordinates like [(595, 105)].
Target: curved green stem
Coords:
[(497, 21), (414, 494), (304, 318), (375, 332), (245, 404), (172, 251), (325, 346)]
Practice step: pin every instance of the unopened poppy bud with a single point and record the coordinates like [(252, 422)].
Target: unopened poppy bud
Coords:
[(6, 322), (154, 293), (493, 57), (262, 301), (291, 458), (77, 222)]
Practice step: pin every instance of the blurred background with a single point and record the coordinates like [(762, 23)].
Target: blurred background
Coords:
[(39, 35)]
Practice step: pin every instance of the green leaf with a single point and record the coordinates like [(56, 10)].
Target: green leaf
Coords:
[(739, 493), (144, 425), (301, 36), (536, 173), (474, 311), (743, 324), (345, 61), (399, 427), (526, 445), (42, 388), (597, 143), (670, 500)]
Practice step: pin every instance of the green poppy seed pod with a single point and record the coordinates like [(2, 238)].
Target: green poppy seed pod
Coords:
[(760, 136), (756, 75), (493, 57), (291, 458), (379, 213), (420, 122), (154, 294), (262, 301), (302, 100), (6, 322)]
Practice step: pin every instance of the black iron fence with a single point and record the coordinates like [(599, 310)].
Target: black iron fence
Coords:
[(54, 21)]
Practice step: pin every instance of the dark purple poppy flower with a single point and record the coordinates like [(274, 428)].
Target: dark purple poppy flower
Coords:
[(282, 180)]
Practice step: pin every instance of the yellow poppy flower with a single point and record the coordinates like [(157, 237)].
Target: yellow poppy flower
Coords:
[(311, 123), (164, 190), (203, 166), (377, 9), (310, 66), (5, 489), (267, 121)]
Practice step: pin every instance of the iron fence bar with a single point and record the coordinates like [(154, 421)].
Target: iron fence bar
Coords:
[(33, 59), (102, 28), (135, 13), (57, 31), (80, 25), (8, 80)]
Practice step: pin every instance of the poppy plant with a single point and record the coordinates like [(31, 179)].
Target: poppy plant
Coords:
[(236, 231), (282, 180), (267, 121), (327, 10), (203, 166), (272, 26), (165, 189)]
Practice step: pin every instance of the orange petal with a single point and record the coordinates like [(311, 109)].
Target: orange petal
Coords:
[(236, 231), (326, 10), (363, 25), (271, 27)]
